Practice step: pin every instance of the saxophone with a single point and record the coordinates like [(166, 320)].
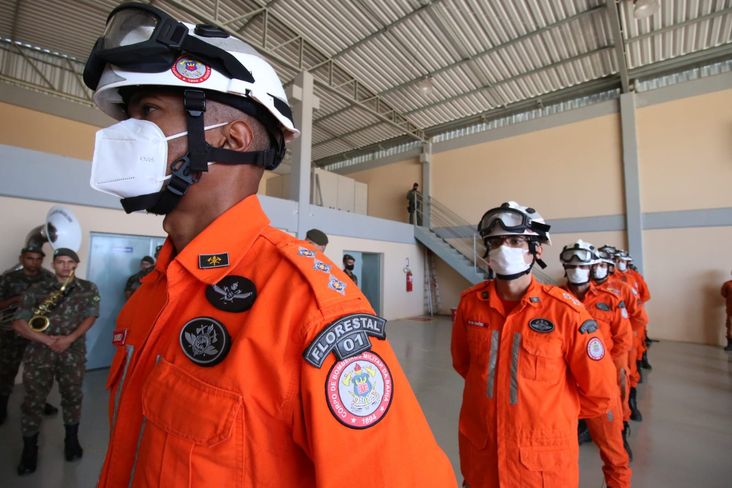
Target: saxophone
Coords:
[(40, 321)]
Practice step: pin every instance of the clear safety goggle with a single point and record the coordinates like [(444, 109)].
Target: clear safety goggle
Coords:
[(142, 38), (579, 256), (508, 219)]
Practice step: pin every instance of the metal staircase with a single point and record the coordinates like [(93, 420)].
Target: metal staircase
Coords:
[(455, 241)]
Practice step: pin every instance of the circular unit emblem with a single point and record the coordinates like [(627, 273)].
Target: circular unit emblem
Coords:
[(359, 390), (595, 349), (205, 341), (232, 294), (190, 70)]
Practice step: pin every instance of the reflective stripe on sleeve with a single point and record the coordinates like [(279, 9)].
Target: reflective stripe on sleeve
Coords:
[(515, 349), (118, 393), (495, 339)]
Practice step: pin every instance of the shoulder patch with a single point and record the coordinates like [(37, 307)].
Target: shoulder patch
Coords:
[(588, 327), (602, 306), (595, 349), (565, 297), (346, 337), (359, 390)]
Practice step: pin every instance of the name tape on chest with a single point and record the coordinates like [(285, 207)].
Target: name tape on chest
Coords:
[(543, 326), (119, 337), (477, 323), (346, 337)]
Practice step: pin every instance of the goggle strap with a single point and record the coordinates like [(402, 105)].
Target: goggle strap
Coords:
[(216, 57)]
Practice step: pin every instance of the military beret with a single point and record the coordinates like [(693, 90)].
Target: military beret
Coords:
[(317, 236)]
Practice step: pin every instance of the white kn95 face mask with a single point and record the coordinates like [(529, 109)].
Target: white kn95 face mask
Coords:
[(131, 158)]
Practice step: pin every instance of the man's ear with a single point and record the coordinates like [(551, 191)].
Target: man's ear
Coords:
[(239, 136), (539, 249)]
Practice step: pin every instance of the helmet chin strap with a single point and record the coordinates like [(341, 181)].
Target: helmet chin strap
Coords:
[(515, 275), (187, 170)]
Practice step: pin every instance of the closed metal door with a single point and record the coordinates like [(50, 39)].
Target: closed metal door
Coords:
[(112, 259)]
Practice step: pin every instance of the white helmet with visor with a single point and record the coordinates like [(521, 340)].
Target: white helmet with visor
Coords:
[(144, 46), (512, 219), (579, 253)]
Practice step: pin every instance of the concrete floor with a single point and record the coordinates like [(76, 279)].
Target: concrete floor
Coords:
[(685, 439)]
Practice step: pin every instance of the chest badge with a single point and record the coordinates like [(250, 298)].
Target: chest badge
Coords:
[(603, 306), (232, 294), (543, 326), (205, 341), (220, 260)]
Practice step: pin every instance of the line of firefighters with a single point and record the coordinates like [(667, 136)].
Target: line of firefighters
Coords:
[(535, 358)]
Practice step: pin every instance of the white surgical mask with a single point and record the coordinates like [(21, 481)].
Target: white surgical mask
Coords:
[(131, 158), (622, 266), (600, 273), (508, 260), (578, 276)]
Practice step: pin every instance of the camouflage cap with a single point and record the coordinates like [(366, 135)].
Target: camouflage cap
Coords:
[(34, 249), (65, 251)]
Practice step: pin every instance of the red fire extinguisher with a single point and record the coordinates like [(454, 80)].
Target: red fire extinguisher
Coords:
[(410, 278)]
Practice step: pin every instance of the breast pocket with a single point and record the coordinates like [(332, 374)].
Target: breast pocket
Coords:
[(193, 433), (543, 359)]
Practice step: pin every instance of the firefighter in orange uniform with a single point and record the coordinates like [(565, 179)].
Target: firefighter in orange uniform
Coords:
[(608, 431), (246, 358), (603, 275), (631, 276), (528, 353)]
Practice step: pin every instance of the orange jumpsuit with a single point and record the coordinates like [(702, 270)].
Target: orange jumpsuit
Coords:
[(621, 283), (726, 291), (263, 414), (524, 375), (629, 298), (644, 295), (606, 430)]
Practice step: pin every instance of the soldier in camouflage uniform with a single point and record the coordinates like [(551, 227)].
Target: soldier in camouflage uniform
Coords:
[(133, 282), (58, 352), (12, 286)]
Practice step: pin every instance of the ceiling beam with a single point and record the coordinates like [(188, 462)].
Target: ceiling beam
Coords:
[(619, 38), (486, 52), (588, 88), (350, 95), (669, 28)]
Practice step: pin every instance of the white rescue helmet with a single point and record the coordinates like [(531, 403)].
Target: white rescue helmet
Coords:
[(511, 219), (579, 253), (144, 46)]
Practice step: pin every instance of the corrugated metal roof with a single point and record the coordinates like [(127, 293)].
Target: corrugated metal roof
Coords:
[(369, 57)]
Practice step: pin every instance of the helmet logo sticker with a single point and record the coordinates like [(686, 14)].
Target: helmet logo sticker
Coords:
[(190, 70)]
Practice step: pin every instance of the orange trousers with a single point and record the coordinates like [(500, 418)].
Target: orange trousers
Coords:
[(607, 434)]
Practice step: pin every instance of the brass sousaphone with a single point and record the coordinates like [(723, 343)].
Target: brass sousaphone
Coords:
[(61, 229)]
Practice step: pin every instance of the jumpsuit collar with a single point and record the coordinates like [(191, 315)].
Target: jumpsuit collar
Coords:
[(230, 236), (531, 298)]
